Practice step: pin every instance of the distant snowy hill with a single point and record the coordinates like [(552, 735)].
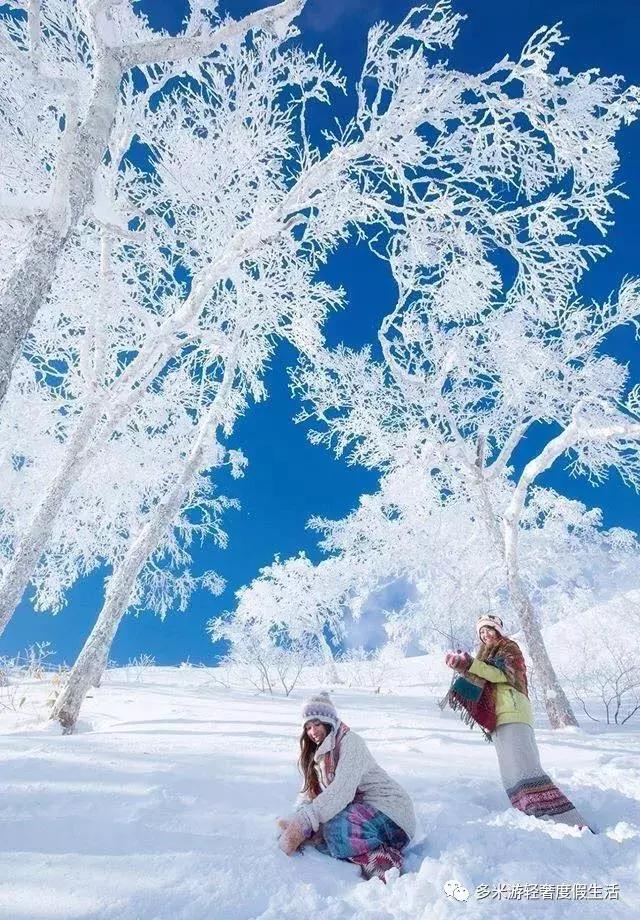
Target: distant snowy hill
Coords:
[(162, 807), (618, 618)]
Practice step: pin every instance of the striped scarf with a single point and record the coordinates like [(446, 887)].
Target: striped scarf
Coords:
[(475, 698), (330, 760), (331, 757)]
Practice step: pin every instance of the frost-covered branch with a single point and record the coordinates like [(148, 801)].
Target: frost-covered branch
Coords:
[(578, 432), (277, 18), (518, 160), (88, 119)]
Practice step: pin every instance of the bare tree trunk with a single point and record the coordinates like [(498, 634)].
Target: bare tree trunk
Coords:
[(93, 658), (557, 704), (86, 670)]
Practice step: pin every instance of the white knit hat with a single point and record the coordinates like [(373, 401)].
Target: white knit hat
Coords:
[(492, 620), (320, 707)]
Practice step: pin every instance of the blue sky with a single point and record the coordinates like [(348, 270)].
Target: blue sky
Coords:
[(288, 480)]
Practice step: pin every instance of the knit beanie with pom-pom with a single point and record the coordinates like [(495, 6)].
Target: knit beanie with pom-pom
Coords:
[(492, 620), (320, 706)]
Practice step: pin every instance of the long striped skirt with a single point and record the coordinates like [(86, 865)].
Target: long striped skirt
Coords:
[(529, 788), (366, 837)]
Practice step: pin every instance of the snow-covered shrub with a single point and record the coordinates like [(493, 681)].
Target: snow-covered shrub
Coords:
[(12, 694), (371, 669), (32, 663), (20, 672), (264, 657), (599, 657), (135, 668), (300, 603), (607, 686)]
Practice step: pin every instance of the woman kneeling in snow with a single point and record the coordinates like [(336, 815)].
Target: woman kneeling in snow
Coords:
[(349, 807), (490, 690)]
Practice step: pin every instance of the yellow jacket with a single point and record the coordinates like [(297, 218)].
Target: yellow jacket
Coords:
[(511, 705)]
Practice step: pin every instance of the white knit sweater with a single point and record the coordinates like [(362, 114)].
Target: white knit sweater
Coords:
[(357, 771)]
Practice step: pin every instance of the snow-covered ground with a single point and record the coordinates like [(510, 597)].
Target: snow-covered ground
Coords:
[(162, 807)]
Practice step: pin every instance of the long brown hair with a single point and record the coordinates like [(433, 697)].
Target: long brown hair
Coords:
[(306, 763)]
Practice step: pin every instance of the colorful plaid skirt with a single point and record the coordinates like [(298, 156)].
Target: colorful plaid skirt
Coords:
[(366, 837), (529, 788)]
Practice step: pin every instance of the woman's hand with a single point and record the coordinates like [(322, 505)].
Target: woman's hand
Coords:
[(295, 831), (458, 661)]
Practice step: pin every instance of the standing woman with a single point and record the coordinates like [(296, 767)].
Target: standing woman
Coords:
[(491, 690), (350, 807)]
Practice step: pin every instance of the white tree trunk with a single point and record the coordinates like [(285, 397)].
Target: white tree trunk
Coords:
[(93, 658), (556, 702), (18, 572), (330, 671), (557, 705), (23, 293), (27, 288)]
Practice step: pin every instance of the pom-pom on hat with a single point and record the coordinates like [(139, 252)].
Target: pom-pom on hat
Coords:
[(492, 620), (320, 707)]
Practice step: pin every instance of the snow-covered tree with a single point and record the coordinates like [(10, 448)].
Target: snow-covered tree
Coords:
[(471, 394), (488, 338), (260, 655), (124, 338), (418, 541), (64, 67), (249, 317), (255, 206), (106, 504), (568, 561), (90, 511), (598, 654), (177, 276), (237, 184), (297, 596)]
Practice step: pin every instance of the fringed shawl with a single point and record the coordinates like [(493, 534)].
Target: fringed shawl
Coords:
[(475, 698)]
